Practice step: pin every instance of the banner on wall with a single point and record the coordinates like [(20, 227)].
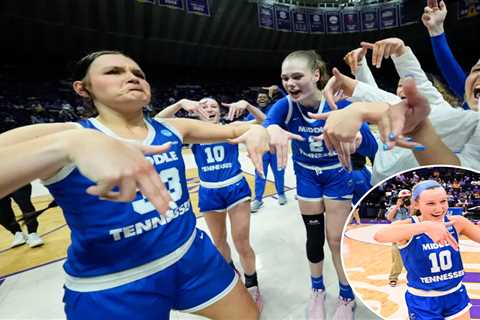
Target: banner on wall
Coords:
[(351, 21), (468, 8), (300, 21), (333, 19), (176, 4), (198, 7), (283, 18), (370, 21), (266, 16), (388, 17), (316, 20)]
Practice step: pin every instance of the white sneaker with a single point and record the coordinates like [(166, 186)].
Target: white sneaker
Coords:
[(257, 297), (18, 239), (344, 309), (256, 205), (34, 240), (282, 199), (316, 306)]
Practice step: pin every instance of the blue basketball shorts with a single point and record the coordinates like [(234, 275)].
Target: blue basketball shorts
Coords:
[(438, 308), (224, 198), (317, 184), (200, 278)]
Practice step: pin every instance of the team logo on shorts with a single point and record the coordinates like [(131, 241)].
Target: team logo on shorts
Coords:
[(166, 133)]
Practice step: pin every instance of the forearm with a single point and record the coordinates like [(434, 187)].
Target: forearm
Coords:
[(170, 111), (196, 131), (364, 92), (392, 213), (451, 71), (436, 152), (257, 113), (399, 232), (34, 131), (29, 160), (364, 74)]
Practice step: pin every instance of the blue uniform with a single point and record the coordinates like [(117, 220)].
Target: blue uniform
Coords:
[(269, 159), (361, 183), (122, 253), (222, 184), (313, 163), (434, 278)]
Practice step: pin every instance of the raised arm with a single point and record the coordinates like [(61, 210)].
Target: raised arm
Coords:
[(433, 18), (185, 104), (358, 64), (466, 227), (255, 137), (235, 109)]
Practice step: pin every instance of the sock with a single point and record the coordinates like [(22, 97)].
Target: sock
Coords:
[(251, 280), (317, 283), (346, 292)]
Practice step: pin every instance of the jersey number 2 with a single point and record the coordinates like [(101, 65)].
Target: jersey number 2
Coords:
[(171, 178)]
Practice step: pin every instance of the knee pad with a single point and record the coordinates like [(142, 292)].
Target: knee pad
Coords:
[(315, 225)]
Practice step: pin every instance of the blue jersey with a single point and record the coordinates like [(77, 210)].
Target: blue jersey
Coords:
[(429, 265), (108, 237), (216, 162), (293, 117)]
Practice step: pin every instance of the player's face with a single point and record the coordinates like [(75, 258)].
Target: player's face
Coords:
[(299, 80), (472, 88), (400, 89), (117, 81), (212, 108), (433, 204), (262, 100)]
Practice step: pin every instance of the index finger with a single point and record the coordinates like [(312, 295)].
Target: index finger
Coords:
[(451, 240), (152, 187)]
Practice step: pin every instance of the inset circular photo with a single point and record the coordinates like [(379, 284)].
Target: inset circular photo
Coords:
[(412, 247)]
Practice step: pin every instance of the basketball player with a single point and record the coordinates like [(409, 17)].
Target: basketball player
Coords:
[(131, 257), (428, 245), (265, 102), (323, 185), (223, 188)]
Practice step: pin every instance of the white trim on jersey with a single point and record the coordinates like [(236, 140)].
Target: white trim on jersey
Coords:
[(318, 170), (309, 199), (108, 281), (147, 141), (432, 293), (320, 110), (222, 184), (214, 299), (290, 110)]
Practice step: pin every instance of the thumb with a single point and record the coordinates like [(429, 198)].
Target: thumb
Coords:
[(337, 74), (367, 45), (442, 5), (237, 140), (319, 116), (226, 104), (147, 150)]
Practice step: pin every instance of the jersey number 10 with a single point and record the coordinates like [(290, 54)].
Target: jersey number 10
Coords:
[(440, 262)]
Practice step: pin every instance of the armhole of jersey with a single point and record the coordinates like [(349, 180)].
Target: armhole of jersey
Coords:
[(403, 246), (169, 127), (289, 114), (63, 172)]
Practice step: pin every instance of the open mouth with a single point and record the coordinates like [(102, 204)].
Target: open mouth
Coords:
[(294, 93), (476, 92), (211, 117)]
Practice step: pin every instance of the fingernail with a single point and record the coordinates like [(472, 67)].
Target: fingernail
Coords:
[(408, 138), (420, 148), (385, 147), (391, 136), (172, 205)]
